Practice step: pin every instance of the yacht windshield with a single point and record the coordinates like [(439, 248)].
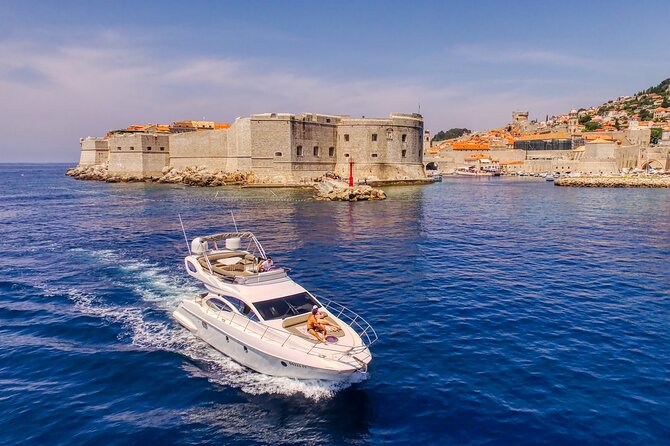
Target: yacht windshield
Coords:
[(285, 306)]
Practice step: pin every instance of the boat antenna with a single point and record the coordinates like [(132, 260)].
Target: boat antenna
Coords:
[(184, 231), (233, 215)]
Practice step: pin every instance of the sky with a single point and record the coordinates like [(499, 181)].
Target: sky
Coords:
[(70, 69)]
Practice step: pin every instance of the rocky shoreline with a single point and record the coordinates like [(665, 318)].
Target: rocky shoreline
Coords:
[(327, 189), (192, 176), (629, 181)]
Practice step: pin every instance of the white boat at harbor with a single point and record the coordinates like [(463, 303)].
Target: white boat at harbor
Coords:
[(466, 171), (259, 318)]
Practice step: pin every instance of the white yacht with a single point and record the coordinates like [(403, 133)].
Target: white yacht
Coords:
[(259, 318)]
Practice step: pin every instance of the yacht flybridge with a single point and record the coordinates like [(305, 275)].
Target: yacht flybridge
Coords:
[(258, 315)]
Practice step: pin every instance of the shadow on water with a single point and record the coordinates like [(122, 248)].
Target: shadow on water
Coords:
[(277, 419)]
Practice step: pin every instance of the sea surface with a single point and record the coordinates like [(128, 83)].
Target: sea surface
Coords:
[(509, 311)]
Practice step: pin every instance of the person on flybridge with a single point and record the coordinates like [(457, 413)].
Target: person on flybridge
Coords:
[(266, 265)]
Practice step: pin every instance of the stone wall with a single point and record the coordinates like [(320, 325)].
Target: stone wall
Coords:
[(270, 146), (138, 154), (94, 151), (200, 148), (239, 145), (315, 136), (381, 148)]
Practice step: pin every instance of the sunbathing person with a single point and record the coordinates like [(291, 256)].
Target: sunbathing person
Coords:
[(315, 327), (321, 318)]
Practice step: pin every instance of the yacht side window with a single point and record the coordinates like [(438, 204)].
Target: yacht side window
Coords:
[(237, 303), (243, 308), (217, 305), (251, 315)]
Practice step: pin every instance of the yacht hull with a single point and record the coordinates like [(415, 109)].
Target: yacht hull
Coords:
[(257, 355)]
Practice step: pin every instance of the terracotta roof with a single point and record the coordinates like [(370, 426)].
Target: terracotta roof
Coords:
[(466, 145), (590, 136), (557, 135)]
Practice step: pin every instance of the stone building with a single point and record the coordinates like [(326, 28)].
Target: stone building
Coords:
[(138, 154), (573, 122), (93, 151), (278, 147)]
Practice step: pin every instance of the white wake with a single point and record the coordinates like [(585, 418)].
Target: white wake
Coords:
[(161, 292)]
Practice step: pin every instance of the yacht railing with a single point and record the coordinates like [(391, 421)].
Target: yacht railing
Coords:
[(363, 329)]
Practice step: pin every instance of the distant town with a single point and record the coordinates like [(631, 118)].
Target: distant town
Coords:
[(622, 135)]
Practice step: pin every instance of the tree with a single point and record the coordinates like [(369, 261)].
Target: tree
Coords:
[(591, 126), (656, 135), (583, 119), (449, 134), (617, 124), (645, 115)]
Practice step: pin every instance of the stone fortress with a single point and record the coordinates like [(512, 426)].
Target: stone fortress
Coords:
[(276, 147)]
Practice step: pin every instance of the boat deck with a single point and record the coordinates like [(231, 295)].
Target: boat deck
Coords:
[(231, 263), (297, 325)]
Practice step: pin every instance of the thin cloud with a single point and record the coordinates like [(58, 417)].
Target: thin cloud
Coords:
[(59, 93), (481, 54)]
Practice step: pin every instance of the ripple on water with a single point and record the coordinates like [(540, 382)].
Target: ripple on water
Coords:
[(509, 312)]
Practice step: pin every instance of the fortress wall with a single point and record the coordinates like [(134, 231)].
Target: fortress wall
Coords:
[(267, 144), (626, 157), (138, 154), (270, 141), (383, 149), (207, 148), (317, 135), (239, 146), (599, 151), (93, 151), (638, 136)]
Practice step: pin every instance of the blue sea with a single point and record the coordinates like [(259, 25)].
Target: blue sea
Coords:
[(509, 311)]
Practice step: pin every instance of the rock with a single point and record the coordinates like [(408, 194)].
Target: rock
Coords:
[(623, 181), (333, 190), (192, 175)]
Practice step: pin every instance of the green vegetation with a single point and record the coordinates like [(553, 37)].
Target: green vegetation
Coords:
[(590, 126), (656, 135), (661, 89), (645, 115), (584, 119), (449, 134)]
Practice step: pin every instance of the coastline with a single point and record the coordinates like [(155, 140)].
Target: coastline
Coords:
[(640, 181)]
